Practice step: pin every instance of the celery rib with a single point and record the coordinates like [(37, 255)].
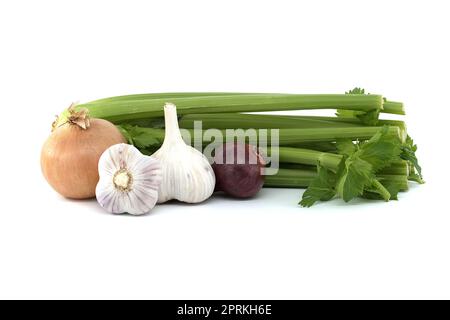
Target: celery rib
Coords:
[(286, 137), (166, 95), (393, 107), (247, 121), (122, 111), (290, 178), (309, 157), (388, 106), (302, 178), (399, 168)]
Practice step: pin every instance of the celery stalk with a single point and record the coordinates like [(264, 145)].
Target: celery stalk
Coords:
[(400, 168), (286, 137), (393, 107), (119, 111), (290, 178), (168, 95), (247, 121), (309, 157), (302, 178), (244, 121), (388, 106)]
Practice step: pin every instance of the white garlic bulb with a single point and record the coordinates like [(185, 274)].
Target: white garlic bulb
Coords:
[(187, 174), (129, 180)]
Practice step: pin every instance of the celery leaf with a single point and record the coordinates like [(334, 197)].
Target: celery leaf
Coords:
[(408, 152), (355, 175), (356, 90), (360, 167), (321, 188), (345, 147), (368, 118), (381, 150), (142, 138), (378, 188), (392, 188)]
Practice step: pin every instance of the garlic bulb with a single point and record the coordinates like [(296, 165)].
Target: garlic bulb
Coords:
[(187, 174), (129, 180)]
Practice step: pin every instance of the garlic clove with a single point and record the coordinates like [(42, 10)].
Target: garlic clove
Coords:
[(187, 175), (129, 180)]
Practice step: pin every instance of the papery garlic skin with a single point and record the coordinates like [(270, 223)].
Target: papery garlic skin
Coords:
[(187, 175), (129, 180)]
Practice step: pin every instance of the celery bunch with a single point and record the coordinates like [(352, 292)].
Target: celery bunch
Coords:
[(353, 154)]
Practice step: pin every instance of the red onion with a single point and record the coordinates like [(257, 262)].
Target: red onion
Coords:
[(239, 170)]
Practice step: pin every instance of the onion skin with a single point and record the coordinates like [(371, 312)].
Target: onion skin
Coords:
[(69, 157), (238, 180)]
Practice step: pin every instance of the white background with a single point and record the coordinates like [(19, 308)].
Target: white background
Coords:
[(56, 52)]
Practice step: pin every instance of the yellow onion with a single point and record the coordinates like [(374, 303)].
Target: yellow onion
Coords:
[(69, 157)]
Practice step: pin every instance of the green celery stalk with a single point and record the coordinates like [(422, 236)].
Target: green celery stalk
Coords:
[(381, 122), (346, 121), (331, 161), (324, 146), (393, 107), (309, 157), (247, 121), (296, 136), (302, 178), (120, 111), (400, 168), (287, 137), (388, 106), (168, 95), (290, 178)]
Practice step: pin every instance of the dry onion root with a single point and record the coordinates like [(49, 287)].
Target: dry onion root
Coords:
[(69, 157)]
